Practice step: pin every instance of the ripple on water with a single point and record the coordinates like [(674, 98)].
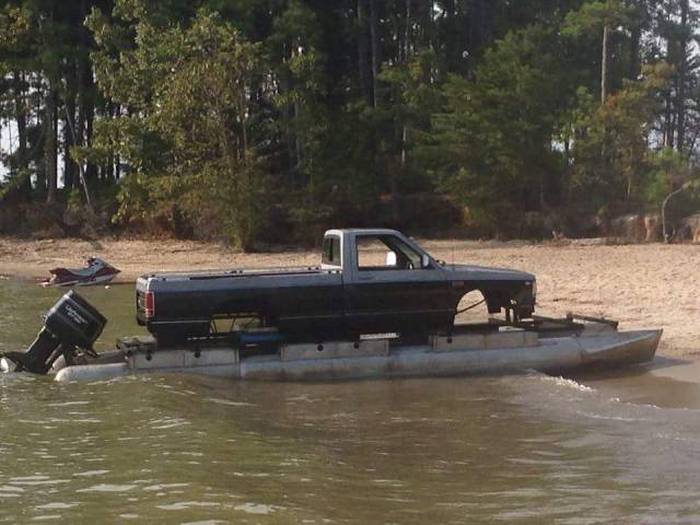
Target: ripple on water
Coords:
[(108, 487), (167, 423), (47, 517), (228, 402), (570, 383), (10, 488), (37, 480), (205, 522), (91, 473), (59, 505), (256, 508), (183, 505), (164, 486)]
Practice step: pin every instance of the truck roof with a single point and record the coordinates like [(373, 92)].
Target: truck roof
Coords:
[(366, 231)]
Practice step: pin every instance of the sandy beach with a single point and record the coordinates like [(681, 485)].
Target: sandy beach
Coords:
[(644, 285)]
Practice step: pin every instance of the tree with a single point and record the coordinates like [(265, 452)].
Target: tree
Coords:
[(492, 146), (15, 60), (604, 16), (612, 150), (190, 129), (492, 102)]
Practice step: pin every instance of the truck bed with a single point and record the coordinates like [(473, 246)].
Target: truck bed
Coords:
[(186, 302)]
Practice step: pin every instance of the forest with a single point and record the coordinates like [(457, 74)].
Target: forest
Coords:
[(270, 120)]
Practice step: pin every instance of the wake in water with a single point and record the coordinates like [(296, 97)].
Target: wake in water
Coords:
[(648, 445), (569, 383)]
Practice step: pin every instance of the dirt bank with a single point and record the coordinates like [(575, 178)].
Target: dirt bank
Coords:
[(650, 285)]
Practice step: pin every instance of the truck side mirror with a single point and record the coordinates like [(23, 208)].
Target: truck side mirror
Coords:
[(424, 261), (390, 259)]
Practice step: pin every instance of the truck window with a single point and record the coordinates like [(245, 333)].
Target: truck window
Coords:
[(331, 251), (385, 252)]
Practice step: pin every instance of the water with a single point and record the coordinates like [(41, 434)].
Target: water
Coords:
[(173, 449)]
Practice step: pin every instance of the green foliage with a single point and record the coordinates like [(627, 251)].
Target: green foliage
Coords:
[(612, 155), (190, 145), (671, 173), (669, 170), (492, 145), (592, 16), (16, 30), (241, 118)]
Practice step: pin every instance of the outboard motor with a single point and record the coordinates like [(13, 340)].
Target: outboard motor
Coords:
[(70, 324)]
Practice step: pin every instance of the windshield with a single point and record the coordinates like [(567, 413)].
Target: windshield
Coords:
[(385, 252)]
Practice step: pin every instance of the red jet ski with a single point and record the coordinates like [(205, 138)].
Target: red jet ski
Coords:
[(96, 272)]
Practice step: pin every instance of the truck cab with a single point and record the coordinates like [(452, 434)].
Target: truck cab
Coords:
[(389, 283)]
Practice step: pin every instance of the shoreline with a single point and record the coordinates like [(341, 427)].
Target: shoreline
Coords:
[(31, 259), (640, 285)]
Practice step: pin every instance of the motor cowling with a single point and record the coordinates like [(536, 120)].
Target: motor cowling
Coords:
[(75, 321), (70, 324)]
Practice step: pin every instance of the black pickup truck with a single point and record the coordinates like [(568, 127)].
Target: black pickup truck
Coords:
[(369, 281)]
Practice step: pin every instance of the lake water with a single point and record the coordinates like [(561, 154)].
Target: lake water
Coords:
[(172, 449)]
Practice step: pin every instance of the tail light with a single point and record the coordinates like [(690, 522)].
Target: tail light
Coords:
[(149, 305)]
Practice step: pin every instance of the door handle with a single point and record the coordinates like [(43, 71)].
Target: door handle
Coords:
[(365, 278)]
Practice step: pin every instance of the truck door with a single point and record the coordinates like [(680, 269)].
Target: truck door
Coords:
[(392, 289)]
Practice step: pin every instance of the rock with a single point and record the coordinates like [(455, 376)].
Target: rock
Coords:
[(590, 241), (653, 227), (631, 227), (53, 231), (689, 228)]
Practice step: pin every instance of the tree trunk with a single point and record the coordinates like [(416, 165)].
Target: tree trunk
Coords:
[(406, 56), (70, 168), (71, 129), (376, 59), (682, 74), (362, 65), (566, 178), (635, 58), (86, 110), (50, 126), (21, 119), (475, 25), (79, 127), (84, 83), (244, 128), (91, 169), (604, 66), (479, 26), (407, 32), (117, 158), (664, 205), (298, 146), (669, 131)]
